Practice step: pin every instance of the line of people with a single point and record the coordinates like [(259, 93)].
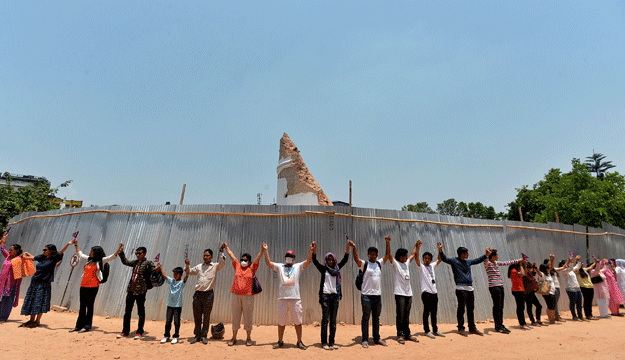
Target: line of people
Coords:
[(603, 279)]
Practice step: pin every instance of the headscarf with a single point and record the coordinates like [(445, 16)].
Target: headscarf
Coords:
[(620, 263), (334, 271)]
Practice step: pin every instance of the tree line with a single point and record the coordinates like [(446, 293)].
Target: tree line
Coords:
[(575, 197)]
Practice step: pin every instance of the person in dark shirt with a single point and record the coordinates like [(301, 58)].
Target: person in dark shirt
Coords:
[(461, 268)]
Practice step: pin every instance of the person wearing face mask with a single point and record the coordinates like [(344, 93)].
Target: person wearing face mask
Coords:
[(289, 300), (242, 296), (204, 296), (330, 293)]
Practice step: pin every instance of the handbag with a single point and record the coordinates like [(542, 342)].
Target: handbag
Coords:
[(543, 287), (596, 279), (256, 288), (22, 267)]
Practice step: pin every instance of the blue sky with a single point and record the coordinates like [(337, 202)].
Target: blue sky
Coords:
[(412, 101)]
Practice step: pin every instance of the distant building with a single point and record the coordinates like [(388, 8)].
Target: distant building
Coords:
[(19, 181), (340, 203), (62, 203)]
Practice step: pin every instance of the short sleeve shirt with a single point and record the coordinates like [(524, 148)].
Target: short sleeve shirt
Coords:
[(243, 278), (289, 280), (401, 273), (174, 299), (428, 273), (372, 278), (517, 281)]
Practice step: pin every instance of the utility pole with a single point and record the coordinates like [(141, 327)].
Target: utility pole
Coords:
[(258, 198), (350, 193), (184, 186)]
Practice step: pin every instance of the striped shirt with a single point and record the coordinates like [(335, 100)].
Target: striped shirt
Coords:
[(492, 270)]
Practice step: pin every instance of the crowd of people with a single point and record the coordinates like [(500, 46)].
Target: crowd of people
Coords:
[(603, 279)]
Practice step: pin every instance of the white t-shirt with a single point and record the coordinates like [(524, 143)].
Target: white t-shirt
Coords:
[(289, 280), (427, 275), (329, 285), (402, 278), (372, 278)]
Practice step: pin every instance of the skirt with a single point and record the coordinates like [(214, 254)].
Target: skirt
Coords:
[(37, 300)]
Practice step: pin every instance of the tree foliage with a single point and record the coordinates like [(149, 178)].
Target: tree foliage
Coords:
[(595, 164), (577, 197), (34, 197), (421, 207), (453, 208)]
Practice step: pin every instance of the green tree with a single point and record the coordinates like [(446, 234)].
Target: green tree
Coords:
[(596, 164), (420, 207), (34, 197), (577, 197)]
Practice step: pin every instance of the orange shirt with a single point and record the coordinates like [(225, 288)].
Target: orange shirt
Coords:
[(89, 277), (243, 278), (517, 281)]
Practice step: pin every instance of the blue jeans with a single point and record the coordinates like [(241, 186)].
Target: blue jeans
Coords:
[(575, 301), (371, 304), (402, 315)]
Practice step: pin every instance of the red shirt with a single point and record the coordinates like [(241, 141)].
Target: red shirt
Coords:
[(243, 278), (517, 281), (89, 277)]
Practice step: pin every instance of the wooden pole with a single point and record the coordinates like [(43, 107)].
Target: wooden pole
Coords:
[(557, 218), (184, 186), (520, 214), (350, 193)]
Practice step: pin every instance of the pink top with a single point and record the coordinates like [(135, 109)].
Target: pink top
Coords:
[(601, 289), (7, 281), (615, 294)]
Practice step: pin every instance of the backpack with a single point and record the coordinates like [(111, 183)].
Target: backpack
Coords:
[(361, 275), (106, 270), (147, 275)]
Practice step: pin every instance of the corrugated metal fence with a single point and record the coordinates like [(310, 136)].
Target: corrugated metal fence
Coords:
[(170, 231)]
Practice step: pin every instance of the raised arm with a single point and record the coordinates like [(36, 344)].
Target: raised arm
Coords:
[(187, 270), (355, 253), (3, 239), (229, 252), (267, 259), (257, 260), (345, 258), (316, 262), (388, 256), (522, 269), (65, 247), (27, 256), (159, 269), (313, 247), (222, 260), (551, 263), (592, 266), (441, 254), (417, 252)]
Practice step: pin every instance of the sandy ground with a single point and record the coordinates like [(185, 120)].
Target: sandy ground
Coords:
[(601, 339)]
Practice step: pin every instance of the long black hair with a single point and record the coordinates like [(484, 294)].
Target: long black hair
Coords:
[(18, 249), (98, 255), (514, 266), (52, 249)]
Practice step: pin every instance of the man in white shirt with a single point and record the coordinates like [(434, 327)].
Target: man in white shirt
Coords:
[(289, 300), (371, 294), (429, 294), (203, 297), (402, 291)]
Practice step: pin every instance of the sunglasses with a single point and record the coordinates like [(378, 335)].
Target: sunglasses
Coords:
[(44, 250), (138, 253)]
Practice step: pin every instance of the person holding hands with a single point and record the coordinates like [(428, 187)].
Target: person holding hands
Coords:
[(402, 290), (429, 294), (461, 268), (289, 300), (174, 299)]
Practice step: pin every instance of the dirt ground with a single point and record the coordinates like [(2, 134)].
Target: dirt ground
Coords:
[(600, 339)]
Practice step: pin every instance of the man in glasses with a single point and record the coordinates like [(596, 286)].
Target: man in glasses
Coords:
[(137, 288)]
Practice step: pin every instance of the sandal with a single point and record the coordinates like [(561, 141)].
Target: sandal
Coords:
[(413, 338), (26, 323), (301, 345), (279, 345), (232, 342), (248, 342)]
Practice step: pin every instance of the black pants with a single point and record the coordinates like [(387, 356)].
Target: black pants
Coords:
[(173, 313), (588, 294), (550, 300), (430, 307), (465, 298), (531, 299), (402, 315), (519, 299), (329, 309), (497, 294), (371, 305), (85, 314), (130, 303), (202, 307)]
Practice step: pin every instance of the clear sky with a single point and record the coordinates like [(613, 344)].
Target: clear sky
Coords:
[(413, 101)]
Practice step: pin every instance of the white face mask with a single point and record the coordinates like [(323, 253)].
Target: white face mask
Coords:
[(244, 263), (288, 260)]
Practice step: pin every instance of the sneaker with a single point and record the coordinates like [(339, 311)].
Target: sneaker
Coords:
[(334, 346), (380, 342), (505, 330), (476, 332), (165, 339), (174, 341), (194, 340), (138, 336), (438, 333), (365, 344), (83, 330), (463, 333), (73, 330), (301, 345), (326, 347), (430, 335), (121, 335), (204, 340)]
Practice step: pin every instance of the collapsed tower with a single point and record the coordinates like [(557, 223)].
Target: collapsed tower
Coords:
[(296, 185)]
